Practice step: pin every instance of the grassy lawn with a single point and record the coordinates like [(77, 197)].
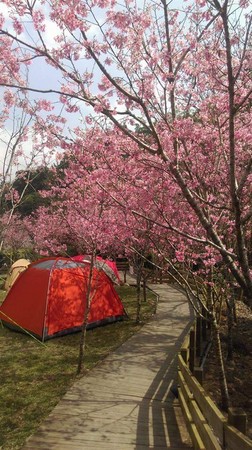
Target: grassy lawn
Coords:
[(34, 376)]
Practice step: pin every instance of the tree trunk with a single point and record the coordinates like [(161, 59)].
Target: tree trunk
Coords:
[(230, 318), (85, 319), (138, 312), (225, 401), (144, 289)]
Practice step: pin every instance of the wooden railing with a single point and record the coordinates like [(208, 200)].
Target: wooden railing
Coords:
[(122, 265), (208, 427)]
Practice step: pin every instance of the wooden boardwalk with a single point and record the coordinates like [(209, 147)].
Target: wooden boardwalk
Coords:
[(125, 403)]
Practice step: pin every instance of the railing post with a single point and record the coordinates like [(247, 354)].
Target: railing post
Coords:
[(204, 329), (184, 354), (192, 349), (199, 374), (238, 419), (198, 336)]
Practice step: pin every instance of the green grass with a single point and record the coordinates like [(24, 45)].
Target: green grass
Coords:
[(34, 376)]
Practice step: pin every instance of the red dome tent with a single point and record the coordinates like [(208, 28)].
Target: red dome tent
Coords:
[(49, 299)]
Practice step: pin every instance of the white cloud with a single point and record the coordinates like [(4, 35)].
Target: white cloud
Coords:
[(4, 10), (52, 30)]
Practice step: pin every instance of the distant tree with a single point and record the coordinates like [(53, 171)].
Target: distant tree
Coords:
[(32, 182)]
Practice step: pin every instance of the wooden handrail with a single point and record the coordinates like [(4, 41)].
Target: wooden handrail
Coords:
[(208, 427)]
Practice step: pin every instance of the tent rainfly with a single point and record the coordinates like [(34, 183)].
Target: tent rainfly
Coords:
[(49, 299), (109, 267)]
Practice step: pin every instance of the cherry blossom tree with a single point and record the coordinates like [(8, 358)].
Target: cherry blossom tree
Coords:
[(116, 200), (15, 237), (180, 74), (110, 197)]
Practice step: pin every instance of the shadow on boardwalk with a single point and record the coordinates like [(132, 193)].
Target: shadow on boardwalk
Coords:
[(126, 402), (160, 408)]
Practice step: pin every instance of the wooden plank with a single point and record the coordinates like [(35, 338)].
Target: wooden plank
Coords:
[(207, 435), (205, 431), (184, 388), (39, 444), (186, 342), (184, 407), (195, 437), (210, 411), (184, 350), (125, 426), (234, 439)]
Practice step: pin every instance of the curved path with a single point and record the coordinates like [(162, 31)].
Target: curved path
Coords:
[(125, 402)]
